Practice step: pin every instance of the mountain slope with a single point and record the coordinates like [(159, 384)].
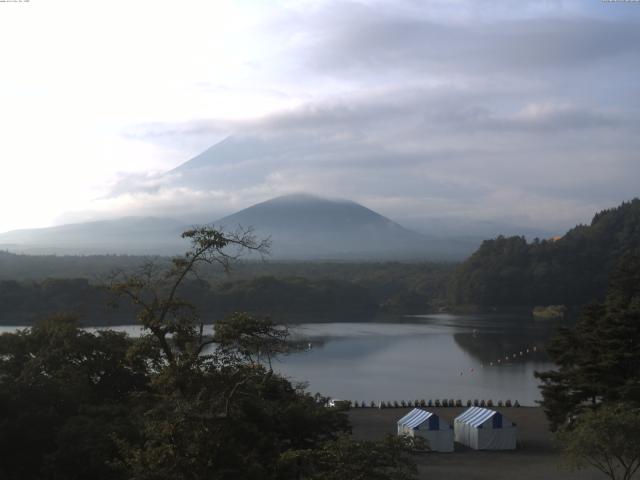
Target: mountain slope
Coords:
[(301, 227), (128, 235), (237, 162), (307, 227)]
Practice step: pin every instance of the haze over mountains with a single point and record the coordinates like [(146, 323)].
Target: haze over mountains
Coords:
[(249, 168), (300, 226), (305, 226), (128, 235)]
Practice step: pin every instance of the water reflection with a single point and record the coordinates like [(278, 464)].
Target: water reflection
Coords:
[(418, 357), (423, 357)]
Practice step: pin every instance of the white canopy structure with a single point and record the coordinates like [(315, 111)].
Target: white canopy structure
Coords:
[(484, 429), (438, 434)]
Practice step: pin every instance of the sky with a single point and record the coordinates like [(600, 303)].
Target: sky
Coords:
[(526, 112)]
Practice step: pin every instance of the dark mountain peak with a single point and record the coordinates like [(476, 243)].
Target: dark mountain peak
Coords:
[(308, 226), (306, 211), (303, 197), (232, 150)]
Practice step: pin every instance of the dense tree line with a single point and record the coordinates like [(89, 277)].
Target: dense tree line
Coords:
[(339, 291), (593, 398), (24, 267), (290, 299), (326, 298), (382, 279), (572, 270), (598, 357), (23, 302)]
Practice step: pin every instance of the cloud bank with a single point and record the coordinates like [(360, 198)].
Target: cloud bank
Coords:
[(483, 110)]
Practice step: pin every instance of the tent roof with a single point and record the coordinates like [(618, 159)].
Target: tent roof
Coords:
[(415, 418), (475, 416)]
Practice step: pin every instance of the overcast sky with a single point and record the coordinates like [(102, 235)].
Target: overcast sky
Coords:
[(527, 111)]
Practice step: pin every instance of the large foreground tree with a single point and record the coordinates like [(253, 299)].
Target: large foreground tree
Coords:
[(174, 403)]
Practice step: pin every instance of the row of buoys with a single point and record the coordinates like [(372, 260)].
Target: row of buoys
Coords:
[(503, 360), (507, 357)]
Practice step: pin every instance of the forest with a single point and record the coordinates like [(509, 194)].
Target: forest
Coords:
[(294, 291), (572, 270), (505, 272)]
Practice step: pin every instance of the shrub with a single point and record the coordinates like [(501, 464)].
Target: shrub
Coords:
[(607, 438)]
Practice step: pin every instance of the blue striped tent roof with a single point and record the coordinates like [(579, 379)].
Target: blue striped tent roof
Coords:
[(476, 416), (415, 418)]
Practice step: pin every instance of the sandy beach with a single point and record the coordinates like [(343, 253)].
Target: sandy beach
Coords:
[(536, 458)]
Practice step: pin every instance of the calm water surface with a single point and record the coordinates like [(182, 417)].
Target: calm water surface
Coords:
[(419, 357), (430, 356)]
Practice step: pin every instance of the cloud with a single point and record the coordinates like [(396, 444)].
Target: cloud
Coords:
[(360, 42), (483, 112)]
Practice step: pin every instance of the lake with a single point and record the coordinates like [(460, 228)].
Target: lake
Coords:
[(419, 357), (423, 357)]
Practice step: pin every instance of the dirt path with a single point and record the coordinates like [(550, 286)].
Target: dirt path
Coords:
[(536, 457)]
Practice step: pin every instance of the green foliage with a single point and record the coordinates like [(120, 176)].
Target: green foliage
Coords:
[(607, 438), (78, 404), (173, 404), (572, 270), (20, 302), (313, 290), (293, 296), (256, 339), (346, 458), (599, 358), (289, 298), (201, 435), (63, 394)]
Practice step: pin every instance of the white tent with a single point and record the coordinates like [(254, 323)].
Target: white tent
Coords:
[(484, 429), (438, 434)]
